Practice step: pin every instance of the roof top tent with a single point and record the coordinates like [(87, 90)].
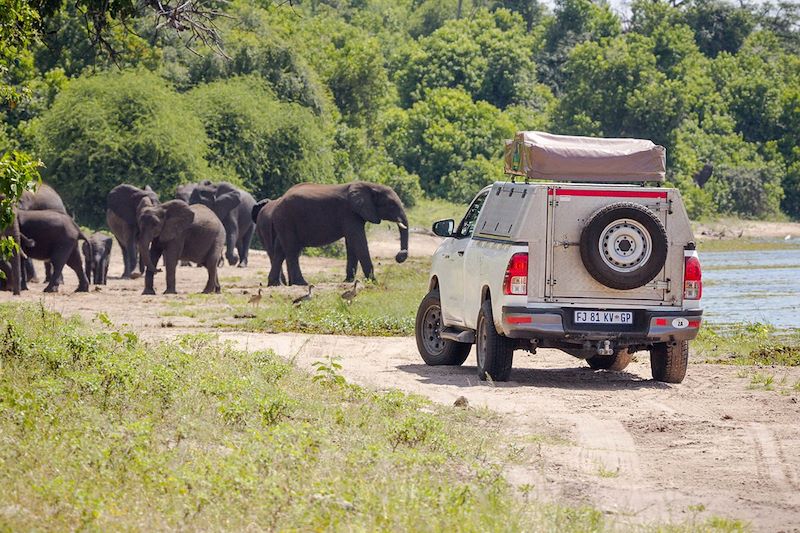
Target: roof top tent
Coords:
[(544, 156)]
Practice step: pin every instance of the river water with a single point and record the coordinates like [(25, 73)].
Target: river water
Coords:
[(752, 286)]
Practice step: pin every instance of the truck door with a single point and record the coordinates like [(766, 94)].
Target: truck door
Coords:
[(451, 284)]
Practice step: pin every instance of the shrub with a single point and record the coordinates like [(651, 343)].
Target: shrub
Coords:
[(113, 128)]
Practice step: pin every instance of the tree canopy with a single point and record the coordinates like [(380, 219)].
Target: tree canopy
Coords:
[(418, 94)]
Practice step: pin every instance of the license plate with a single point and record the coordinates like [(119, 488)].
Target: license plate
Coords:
[(603, 317)]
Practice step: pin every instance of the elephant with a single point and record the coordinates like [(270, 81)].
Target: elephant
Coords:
[(12, 266), (45, 197), (311, 214), (184, 192), (122, 203), (96, 255), (233, 206), (179, 231), (54, 237)]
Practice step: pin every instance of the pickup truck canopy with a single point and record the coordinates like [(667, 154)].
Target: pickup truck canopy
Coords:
[(540, 155)]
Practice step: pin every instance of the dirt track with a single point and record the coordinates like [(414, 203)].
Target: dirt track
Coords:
[(644, 451)]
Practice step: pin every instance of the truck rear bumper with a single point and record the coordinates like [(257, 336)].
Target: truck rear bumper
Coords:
[(649, 325)]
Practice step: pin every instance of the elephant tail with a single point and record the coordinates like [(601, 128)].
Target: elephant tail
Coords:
[(257, 208)]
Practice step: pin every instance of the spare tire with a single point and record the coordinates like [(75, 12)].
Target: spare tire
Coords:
[(624, 245)]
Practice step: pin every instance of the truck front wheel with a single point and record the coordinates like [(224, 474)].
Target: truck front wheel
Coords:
[(668, 361), (428, 329), (495, 352)]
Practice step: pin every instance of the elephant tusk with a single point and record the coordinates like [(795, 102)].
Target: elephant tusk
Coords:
[(401, 225)]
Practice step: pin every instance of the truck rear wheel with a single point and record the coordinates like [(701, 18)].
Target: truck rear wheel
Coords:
[(668, 361), (619, 361), (495, 352), (432, 347), (624, 245)]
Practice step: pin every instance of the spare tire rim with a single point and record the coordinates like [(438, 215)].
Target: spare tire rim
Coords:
[(625, 245), (432, 330)]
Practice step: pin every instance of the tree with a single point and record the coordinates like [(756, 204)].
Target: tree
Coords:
[(113, 128), (440, 134), (719, 25), (486, 56), (575, 21), (268, 147)]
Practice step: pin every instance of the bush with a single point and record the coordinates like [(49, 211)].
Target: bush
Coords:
[(113, 128), (269, 146), (440, 134), (748, 192)]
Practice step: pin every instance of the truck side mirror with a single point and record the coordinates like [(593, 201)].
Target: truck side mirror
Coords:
[(444, 228)]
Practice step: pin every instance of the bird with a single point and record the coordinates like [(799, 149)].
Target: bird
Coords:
[(303, 298), (462, 402), (256, 298), (350, 294)]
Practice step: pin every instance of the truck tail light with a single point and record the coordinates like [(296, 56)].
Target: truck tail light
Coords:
[(516, 278), (692, 278)]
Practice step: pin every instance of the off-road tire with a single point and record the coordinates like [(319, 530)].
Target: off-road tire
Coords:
[(615, 363), (668, 361), (494, 351), (435, 350), (598, 252)]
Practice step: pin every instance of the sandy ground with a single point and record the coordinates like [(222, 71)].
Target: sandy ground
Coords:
[(746, 229), (640, 450)]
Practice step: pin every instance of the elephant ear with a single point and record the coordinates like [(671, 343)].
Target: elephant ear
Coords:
[(362, 201), (179, 216), (144, 203), (108, 242), (87, 248), (228, 201)]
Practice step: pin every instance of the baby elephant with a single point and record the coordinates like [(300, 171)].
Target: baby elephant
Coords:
[(54, 238), (179, 232), (96, 255)]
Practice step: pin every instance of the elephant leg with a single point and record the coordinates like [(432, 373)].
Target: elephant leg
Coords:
[(230, 245), (212, 285), (30, 270), (74, 262), (129, 257), (352, 262), (57, 262), (244, 246), (171, 265), (155, 255), (276, 259), (293, 268), (104, 271), (358, 240), (88, 270)]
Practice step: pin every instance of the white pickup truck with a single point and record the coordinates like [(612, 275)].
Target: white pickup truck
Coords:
[(592, 262)]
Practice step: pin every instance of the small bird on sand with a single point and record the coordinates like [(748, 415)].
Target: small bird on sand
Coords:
[(256, 298), (462, 402), (303, 298), (350, 294)]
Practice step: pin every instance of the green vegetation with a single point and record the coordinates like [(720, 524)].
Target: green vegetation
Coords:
[(103, 431), (384, 308), (748, 344), (418, 95)]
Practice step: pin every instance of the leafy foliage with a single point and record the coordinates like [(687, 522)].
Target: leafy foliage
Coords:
[(270, 146), (113, 128), (417, 94)]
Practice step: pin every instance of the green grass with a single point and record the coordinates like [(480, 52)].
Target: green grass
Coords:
[(101, 430), (745, 245), (384, 308), (428, 211), (748, 344)]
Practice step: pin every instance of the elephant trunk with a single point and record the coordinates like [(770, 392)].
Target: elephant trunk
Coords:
[(144, 250), (402, 225)]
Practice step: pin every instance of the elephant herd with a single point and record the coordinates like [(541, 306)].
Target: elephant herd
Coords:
[(204, 220)]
